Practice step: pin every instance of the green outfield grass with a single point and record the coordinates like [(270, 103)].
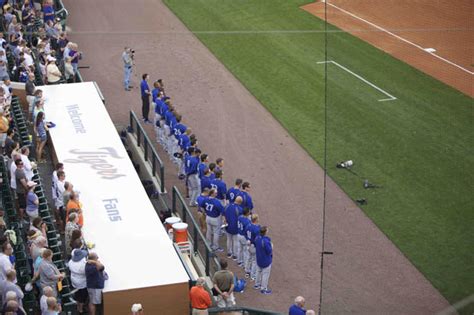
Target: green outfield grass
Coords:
[(419, 147)]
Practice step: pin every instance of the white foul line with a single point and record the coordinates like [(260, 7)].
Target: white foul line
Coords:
[(390, 96), (402, 39)]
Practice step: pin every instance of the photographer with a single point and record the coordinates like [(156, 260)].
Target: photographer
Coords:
[(127, 58)]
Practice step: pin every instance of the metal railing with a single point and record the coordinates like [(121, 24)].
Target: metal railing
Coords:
[(143, 141), (200, 245)]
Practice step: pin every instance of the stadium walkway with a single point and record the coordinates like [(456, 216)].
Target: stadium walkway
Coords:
[(366, 274)]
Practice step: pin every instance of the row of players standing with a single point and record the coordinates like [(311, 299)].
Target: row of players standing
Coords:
[(219, 207)]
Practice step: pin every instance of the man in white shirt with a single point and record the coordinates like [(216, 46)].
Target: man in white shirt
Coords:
[(5, 263), (27, 166)]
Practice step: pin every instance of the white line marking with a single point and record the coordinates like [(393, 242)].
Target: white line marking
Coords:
[(401, 38), (390, 96)]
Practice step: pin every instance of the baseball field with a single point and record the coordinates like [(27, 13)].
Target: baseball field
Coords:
[(342, 98)]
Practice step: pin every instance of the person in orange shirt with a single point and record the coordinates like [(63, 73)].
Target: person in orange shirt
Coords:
[(74, 203), (200, 298)]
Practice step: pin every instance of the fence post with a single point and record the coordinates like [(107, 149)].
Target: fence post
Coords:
[(173, 199), (207, 262), (139, 136), (184, 212), (131, 122), (153, 165), (162, 178), (196, 239), (145, 143)]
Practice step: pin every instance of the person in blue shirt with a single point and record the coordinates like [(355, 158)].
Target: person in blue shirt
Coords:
[(264, 254), (232, 213), (252, 230), (202, 166), (243, 252), (145, 93), (233, 192), (219, 184), (201, 212), (212, 167), (48, 11), (95, 278), (155, 92), (247, 199), (214, 210), (194, 184), (298, 307), (206, 179)]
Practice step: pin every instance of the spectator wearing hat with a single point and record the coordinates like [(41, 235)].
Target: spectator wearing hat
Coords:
[(223, 281), (264, 254), (32, 201), (77, 266), (200, 298), (95, 277), (298, 307), (53, 74)]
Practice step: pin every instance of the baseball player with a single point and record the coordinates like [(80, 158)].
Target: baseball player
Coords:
[(203, 164), (219, 184), (264, 254), (201, 211), (252, 230), (232, 213), (191, 163), (247, 199), (214, 209), (243, 251), (233, 192), (206, 179)]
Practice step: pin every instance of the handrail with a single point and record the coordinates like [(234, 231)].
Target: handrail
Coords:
[(148, 145), (197, 235), (245, 310)]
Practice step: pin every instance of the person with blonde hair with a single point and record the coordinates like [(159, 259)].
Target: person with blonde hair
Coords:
[(200, 298)]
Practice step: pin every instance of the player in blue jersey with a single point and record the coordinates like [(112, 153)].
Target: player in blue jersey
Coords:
[(233, 192), (201, 212), (219, 184), (264, 254), (213, 209), (247, 199), (212, 167), (252, 230), (194, 184), (232, 213), (219, 165), (203, 164), (243, 252), (206, 179)]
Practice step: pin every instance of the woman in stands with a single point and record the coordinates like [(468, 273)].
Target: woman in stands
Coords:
[(74, 203), (40, 130)]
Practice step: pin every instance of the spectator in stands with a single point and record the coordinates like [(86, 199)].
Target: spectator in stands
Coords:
[(11, 305), (32, 201), (68, 189), (9, 143), (214, 210), (200, 298), (48, 273), (21, 187), (71, 226), (48, 11), (223, 281), (74, 203), (75, 55), (232, 213), (53, 307), (5, 262), (219, 184), (27, 165), (38, 225), (60, 211), (252, 230), (53, 74), (95, 276), (298, 307), (247, 199), (41, 132), (145, 93), (77, 266), (264, 254), (37, 248), (3, 70), (234, 191), (10, 285), (30, 90), (4, 127), (310, 312), (69, 73), (47, 292), (62, 43), (127, 58)]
